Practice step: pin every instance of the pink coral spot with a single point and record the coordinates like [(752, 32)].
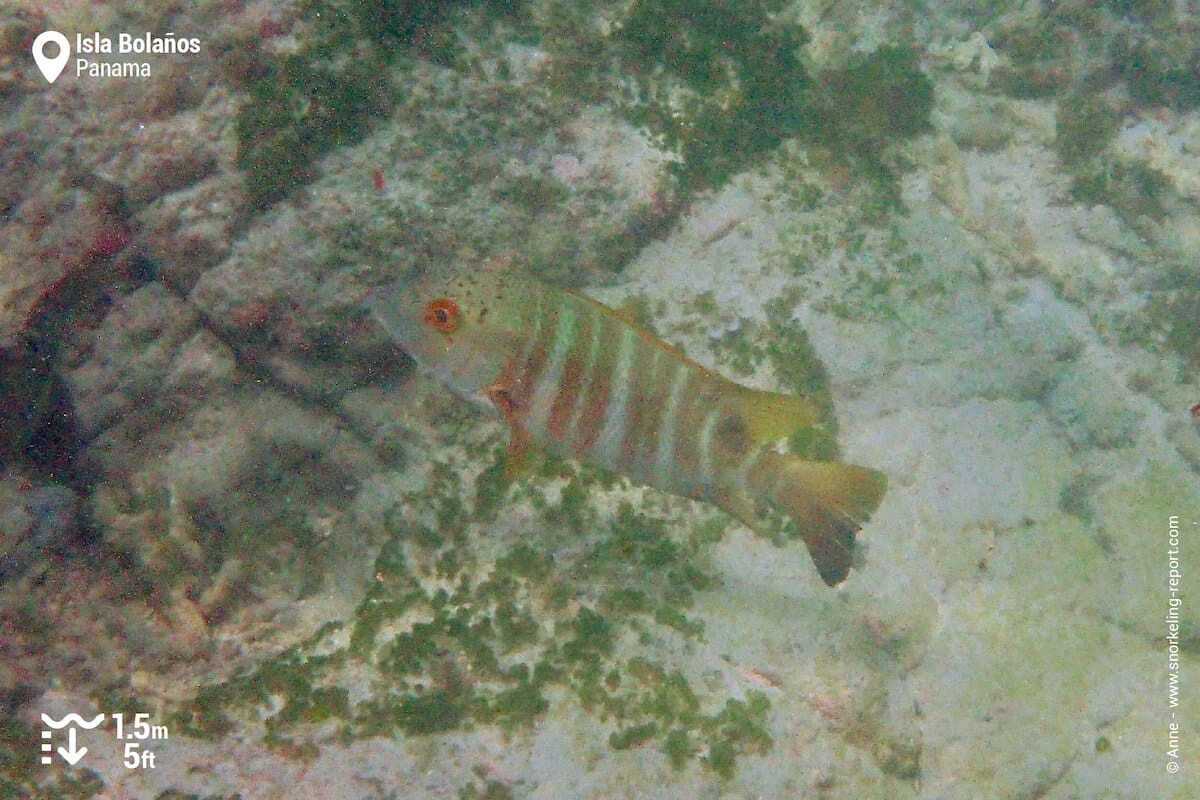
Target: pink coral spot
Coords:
[(568, 169)]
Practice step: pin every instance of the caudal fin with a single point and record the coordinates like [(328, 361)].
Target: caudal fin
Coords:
[(829, 502)]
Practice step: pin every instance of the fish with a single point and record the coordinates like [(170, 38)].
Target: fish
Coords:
[(577, 379)]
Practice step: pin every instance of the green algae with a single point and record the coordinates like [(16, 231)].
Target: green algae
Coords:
[(797, 365), (1041, 56), (456, 643), (18, 759), (397, 23), (857, 112), (593, 638), (299, 110), (491, 488), (1138, 47), (329, 92), (745, 80), (534, 194), (679, 748), (1084, 126), (1133, 189), (671, 713), (573, 508), (288, 675), (1163, 72), (633, 736), (878, 98), (1168, 322), (721, 89), (519, 705), (492, 790)]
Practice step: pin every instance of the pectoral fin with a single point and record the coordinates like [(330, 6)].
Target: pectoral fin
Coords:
[(524, 456)]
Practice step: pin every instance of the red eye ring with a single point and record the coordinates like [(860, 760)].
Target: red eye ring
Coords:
[(442, 315)]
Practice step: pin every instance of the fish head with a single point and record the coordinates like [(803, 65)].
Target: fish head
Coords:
[(462, 327)]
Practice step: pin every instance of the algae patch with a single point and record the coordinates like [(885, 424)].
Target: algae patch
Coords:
[(478, 619), (328, 91), (742, 76), (721, 87)]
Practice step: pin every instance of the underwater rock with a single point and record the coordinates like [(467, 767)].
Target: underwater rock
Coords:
[(38, 434), (34, 520), (189, 231), (130, 356), (1091, 408), (25, 388), (984, 463)]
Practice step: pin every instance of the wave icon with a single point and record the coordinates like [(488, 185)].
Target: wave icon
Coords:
[(72, 719)]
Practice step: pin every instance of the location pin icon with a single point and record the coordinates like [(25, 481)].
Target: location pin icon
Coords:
[(51, 67)]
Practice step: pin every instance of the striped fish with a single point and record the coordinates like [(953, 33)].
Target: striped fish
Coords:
[(576, 379)]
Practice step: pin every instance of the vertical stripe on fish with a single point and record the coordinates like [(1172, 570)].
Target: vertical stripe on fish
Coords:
[(579, 380)]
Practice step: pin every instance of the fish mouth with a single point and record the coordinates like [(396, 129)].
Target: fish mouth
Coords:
[(392, 308)]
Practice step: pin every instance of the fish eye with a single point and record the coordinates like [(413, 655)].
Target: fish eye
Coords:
[(442, 314)]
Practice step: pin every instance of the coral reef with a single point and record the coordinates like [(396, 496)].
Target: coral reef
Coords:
[(228, 501)]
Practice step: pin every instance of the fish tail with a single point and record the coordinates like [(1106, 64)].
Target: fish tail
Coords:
[(828, 501)]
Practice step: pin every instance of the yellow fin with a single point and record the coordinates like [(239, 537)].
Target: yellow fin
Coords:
[(770, 416), (830, 502), (827, 501)]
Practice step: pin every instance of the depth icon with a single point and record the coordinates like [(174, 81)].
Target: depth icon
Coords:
[(71, 753)]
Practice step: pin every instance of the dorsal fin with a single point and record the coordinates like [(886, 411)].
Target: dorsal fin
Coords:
[(626, 318), (524, 457)]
